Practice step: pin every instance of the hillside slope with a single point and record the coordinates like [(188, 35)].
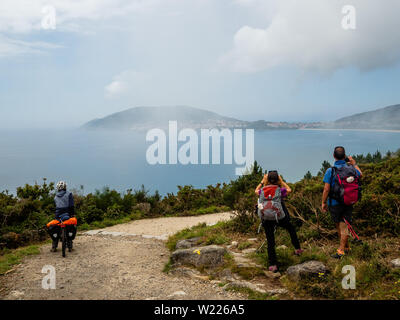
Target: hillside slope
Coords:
[(146, 118), (385, 118)]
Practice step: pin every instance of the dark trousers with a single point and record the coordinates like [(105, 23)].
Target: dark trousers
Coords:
[(269, 227)]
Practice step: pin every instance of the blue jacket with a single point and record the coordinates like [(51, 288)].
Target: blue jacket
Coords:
[(64, 201)]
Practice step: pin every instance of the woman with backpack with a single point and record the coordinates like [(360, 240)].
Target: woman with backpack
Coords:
[(272, 211)]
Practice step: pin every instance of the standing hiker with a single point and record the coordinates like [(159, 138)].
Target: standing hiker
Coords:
[(341, 191), (273, 213)]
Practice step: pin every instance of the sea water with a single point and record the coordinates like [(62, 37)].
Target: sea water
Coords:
[(95, 159)]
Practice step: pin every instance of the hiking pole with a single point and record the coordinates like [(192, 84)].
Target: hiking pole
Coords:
[(258, 231), (262, 245), (351, 229), (353, 233)]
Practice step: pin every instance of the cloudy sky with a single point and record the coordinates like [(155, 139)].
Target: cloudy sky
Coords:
[(252, 59)]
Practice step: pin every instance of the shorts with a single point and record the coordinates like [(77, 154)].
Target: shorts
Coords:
[(341, 211)]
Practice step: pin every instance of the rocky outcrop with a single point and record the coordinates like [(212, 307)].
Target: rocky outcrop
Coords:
[(306, 269), (187, 243), (233, 244), (207, 256), (189, 273)]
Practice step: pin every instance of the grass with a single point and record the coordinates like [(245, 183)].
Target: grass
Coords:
[(252, 295), (244, 245), (168, 266), (208, 210), (216, 234), (10, 258), (375, 279)]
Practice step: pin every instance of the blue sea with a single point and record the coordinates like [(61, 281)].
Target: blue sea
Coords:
[(95, 159)]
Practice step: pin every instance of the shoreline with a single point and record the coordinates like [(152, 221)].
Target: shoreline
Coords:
[(362, 130)]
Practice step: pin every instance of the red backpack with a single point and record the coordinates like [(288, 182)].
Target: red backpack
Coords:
[(346, 189), (270, 203)]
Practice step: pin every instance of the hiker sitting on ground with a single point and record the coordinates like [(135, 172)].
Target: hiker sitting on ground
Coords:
[(341, 191), (273, 213)]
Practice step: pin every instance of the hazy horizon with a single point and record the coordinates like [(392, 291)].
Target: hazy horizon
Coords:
[(79, 125), (246, 59)]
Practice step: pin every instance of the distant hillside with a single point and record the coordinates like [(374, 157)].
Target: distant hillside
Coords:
[(145, 118), (384, 118)]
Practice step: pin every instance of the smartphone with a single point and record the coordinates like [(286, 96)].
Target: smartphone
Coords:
[(347, 159)]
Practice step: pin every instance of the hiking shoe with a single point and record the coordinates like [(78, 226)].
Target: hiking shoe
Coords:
[(298, 252), (273, 269), (338, 255)]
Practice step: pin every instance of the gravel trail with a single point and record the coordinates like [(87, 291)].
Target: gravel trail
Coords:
[(121, 262)]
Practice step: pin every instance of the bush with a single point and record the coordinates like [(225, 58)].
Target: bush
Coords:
[(377, 212)]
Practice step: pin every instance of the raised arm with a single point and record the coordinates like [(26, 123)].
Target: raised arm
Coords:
[(353, 163), (285, 185), (264, 182)]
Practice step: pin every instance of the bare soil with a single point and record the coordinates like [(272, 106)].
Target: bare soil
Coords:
[(121, 262)]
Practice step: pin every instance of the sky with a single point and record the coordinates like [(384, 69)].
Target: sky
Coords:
[(65, 62)]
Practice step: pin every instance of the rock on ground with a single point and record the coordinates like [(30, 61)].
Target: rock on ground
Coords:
[(243, 262), (189, 273), (254, 287), (207, 256), (395, 263), (244, 285), (187, 243), (303, 270)]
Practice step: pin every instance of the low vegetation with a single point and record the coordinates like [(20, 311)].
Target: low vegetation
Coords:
[(376, 216), (376, 220), (24, 215), (9, 258)]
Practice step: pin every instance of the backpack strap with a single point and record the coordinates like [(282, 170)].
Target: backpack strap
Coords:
[(333, 172)]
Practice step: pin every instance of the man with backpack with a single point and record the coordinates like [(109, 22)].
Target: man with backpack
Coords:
[(341, 192)]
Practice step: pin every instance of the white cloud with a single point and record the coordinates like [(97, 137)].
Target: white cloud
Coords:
[(12, 47), (308, 34), (128, 81), (23, 17)]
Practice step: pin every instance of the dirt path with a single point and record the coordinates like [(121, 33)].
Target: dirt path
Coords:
[(120, 262)]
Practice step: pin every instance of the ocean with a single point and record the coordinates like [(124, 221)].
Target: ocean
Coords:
[(95, 159)]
